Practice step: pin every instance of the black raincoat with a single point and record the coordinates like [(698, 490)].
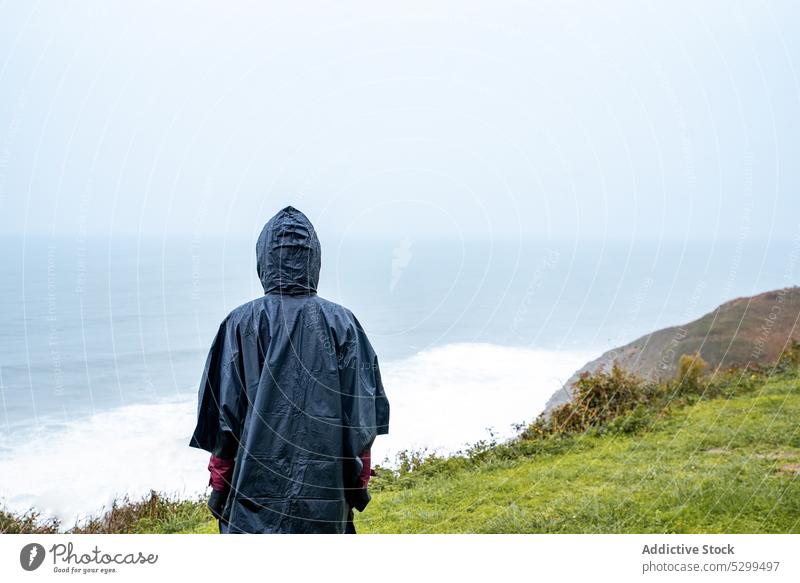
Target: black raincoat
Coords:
[(291, 390)]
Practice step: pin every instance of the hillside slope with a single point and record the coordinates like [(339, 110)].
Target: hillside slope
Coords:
[(739, 332), (721, 465)]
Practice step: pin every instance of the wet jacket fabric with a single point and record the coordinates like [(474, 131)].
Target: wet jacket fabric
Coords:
[(291, 392)]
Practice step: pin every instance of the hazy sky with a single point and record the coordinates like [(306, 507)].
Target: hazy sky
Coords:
[(495, 119)]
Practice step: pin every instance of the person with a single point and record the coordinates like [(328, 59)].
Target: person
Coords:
[(291, 399)]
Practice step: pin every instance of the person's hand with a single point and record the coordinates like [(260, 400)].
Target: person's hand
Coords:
[(216, 503), (358, 498)]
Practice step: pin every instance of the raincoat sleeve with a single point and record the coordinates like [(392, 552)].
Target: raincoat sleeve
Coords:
[(364, 404), (221, 399)]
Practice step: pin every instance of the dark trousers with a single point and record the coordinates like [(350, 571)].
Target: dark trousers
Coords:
[(350, 528)]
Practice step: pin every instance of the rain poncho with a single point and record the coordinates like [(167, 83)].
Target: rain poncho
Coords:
[(292, 391)]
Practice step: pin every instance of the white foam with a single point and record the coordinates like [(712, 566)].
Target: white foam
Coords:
[(85, 465), (441, 399)]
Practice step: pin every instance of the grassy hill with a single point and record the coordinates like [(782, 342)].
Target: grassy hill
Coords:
[(726, 462), (694, 455), (740, 332), (718, 465)]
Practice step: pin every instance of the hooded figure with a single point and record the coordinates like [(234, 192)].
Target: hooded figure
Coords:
[(291, 398)]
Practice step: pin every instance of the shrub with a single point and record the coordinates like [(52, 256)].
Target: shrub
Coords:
[(539, 428), (598, 398), (632, 422), (789, 359), (691, 370), (30, 522), (154, 513)]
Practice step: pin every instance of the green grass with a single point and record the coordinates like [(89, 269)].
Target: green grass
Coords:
[(721, 465), (728, 465), (156, 513)]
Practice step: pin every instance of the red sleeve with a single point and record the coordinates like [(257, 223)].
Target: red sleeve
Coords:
[(366, 460), (221, 473)]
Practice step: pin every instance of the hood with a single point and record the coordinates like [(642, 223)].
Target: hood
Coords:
[(288, 254)]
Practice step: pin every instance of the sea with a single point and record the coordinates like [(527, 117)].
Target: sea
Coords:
[(102, 341)]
